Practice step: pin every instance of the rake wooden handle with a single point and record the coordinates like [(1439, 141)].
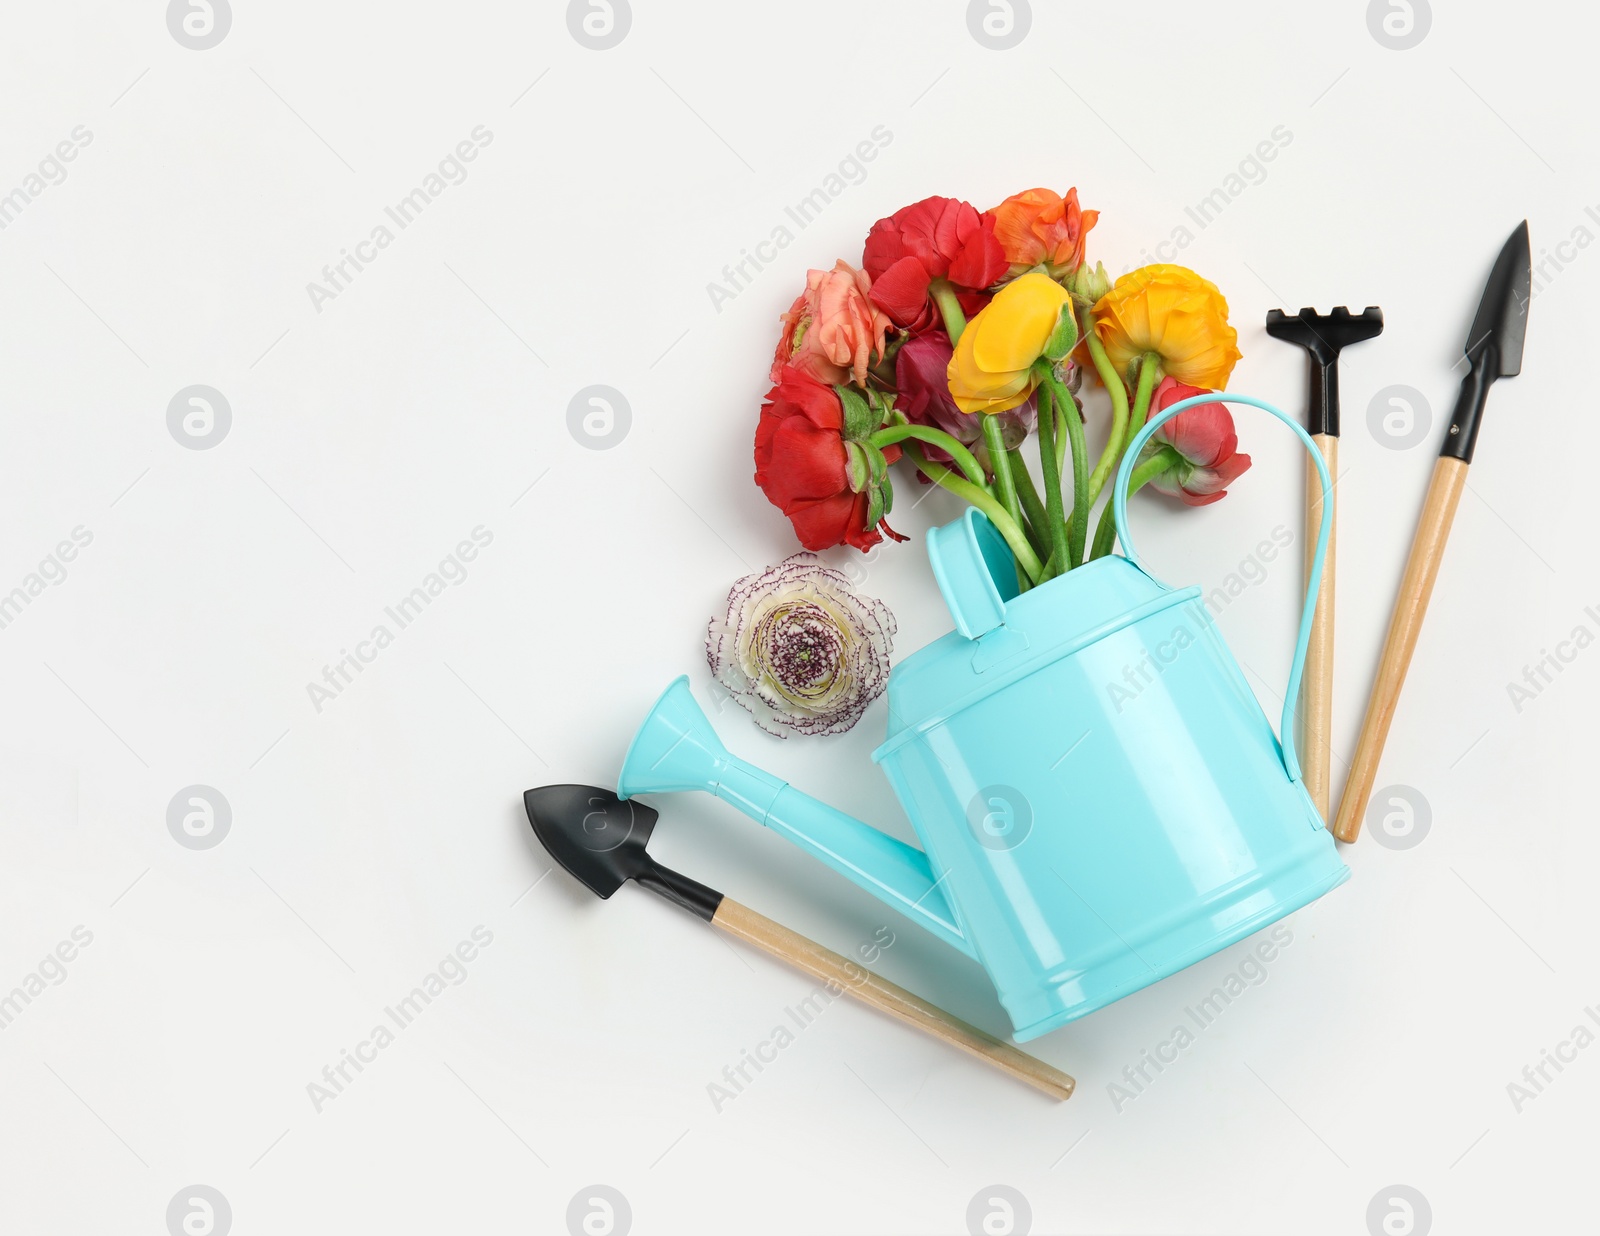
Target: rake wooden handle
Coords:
[(1416, 586), (778, 941), (1316, 699)]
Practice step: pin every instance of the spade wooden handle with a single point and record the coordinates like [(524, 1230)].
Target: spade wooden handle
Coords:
[(1316, 699), (831, 968), (1416, 586)]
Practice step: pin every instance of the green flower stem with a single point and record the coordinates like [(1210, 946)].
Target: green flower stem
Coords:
[(1077, 528), (1005, 486), (1105, 536), (1112, 381), (1031, 506), (1149, 375), (948, 443), (1132, 423), (1060, 427), (1049, 461), (985, 502), (944, 295)]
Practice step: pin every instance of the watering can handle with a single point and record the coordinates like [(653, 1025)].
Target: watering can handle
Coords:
[(1119, 500)]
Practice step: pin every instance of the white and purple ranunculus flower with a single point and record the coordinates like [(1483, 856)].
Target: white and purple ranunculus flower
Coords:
[(800, 649)]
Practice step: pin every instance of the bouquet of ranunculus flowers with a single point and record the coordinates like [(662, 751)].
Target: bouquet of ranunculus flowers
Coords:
[(962, 335)]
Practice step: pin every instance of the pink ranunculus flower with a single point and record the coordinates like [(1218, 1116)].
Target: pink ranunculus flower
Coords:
[(924, 396), (832, 329), (1204, 436)]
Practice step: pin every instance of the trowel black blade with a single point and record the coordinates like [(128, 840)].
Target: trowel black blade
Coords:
[(600, 839), (1494, 344)]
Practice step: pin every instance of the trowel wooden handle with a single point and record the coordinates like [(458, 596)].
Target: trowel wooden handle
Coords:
[(1316, 699), (830, 967), (1416, 586)]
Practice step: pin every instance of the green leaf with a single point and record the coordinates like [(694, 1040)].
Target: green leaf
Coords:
[(1065, 336), (882, 405), (876, 509), (858, 417), (858, 468), (878, 465)]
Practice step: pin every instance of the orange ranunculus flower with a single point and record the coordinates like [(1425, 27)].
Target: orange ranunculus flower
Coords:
[(1040, 226), (992, 368), (1175, 313)]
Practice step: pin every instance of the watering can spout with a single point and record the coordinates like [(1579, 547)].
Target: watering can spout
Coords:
[(676, 749)]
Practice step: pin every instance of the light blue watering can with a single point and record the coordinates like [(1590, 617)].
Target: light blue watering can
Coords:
[(1100, 799)]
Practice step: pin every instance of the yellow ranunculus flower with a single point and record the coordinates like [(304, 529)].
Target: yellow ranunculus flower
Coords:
[(992, 369), (1171, 311)]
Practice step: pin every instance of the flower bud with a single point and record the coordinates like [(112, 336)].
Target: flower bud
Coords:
[(1090, 282)]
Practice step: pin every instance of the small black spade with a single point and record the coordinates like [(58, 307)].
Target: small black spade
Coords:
[(600, 840)]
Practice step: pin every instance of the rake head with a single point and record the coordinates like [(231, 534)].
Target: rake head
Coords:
[(1324, 334)]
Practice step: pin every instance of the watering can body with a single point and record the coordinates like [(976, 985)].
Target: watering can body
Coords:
[(1096, 786), (1100, 799)]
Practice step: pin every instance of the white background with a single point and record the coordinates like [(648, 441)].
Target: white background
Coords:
[(367, 439)]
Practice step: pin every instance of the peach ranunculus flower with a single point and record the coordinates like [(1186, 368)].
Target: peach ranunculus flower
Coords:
[(1175, 313), (832, 329), (992, 367), (1039, 226)]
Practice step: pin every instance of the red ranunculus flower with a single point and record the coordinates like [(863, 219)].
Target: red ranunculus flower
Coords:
[(804, 469), (1204, 436), (937, 237)]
